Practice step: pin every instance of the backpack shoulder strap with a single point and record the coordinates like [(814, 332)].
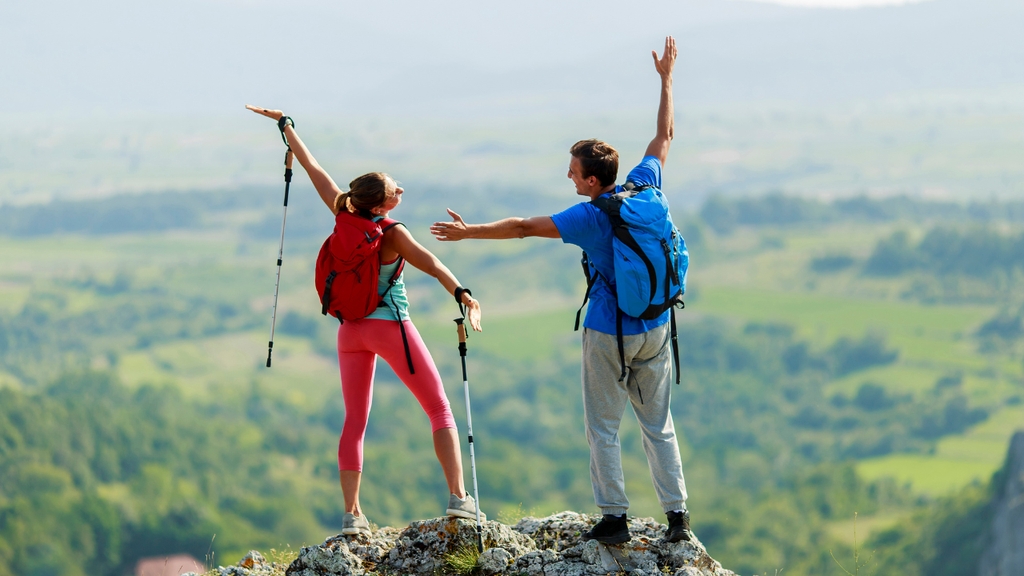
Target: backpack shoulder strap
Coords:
[(585, 261), (675, 342), (633, 188), (401, 324), (387, 224), (610, 205)]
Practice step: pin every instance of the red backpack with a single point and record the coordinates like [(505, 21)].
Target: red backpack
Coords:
[(348, 266)]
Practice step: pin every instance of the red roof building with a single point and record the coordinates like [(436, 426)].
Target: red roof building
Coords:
[(168, 566)]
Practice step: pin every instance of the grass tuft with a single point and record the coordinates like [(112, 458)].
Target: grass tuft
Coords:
[(857, 564), (510, 516), (461, 562), (281, 559)]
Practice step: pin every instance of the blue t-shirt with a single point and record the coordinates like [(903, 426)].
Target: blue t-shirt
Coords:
[(586, 226)]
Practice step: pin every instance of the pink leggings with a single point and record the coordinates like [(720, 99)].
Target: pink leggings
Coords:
[(359, 344)]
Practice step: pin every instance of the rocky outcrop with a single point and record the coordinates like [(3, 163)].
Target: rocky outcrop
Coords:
[(549, 546), (1005, 554)]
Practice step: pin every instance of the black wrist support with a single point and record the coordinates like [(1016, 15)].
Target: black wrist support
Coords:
[(285, 121)]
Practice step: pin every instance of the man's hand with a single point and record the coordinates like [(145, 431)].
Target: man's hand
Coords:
[(667, 61), (666, 113), (450, 231), (542, 226)]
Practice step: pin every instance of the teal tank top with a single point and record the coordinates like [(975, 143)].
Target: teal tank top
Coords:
[(396, 303)]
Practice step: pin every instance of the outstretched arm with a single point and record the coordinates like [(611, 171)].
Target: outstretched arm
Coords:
[(457, 229), (666, 114), (322, 181), (400, 240)]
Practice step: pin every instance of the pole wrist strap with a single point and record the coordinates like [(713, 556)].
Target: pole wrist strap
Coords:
[(458, 298), (281, 124)]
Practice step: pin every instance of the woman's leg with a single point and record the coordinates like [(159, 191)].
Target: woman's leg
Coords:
[(385, 338), (449, 454), (350, 488), (357, 367)]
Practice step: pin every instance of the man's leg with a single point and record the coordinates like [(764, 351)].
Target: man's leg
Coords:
[(651, 370), (604, 402)]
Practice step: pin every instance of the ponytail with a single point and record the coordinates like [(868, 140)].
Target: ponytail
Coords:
[(342, 202)]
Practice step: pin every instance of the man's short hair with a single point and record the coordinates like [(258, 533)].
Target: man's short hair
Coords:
[(597, 159)]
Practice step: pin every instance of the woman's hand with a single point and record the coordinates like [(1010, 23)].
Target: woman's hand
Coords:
[(473, 306), (274, 114)]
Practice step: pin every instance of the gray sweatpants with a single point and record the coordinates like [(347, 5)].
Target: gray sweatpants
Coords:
[(649, 366)]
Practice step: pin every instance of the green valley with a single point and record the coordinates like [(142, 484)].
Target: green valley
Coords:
[(136, 401)]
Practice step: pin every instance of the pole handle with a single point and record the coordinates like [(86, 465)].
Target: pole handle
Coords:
[(462, 343), (287, 174), (462, 330)]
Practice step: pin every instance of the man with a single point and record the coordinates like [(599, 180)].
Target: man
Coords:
[(593, 168)]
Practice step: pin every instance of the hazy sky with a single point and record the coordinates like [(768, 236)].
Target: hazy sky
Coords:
[(460, 56), (75, 70), (839, 3)]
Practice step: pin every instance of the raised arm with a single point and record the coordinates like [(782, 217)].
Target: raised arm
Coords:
[(666, 114), (457, 229), (322, 181), (400, 240)]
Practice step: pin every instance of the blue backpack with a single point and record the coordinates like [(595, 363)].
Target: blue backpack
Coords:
[(650, 260)]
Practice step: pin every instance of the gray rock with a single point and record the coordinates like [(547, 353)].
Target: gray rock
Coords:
[(494, 561), (423, 547), (233, 571), (631, 557), (1005, 554), (252, 560), (373, 549), (555, 531), (535, 563), (332, 557)]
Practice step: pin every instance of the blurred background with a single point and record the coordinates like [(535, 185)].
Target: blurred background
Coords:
[(849, 177)]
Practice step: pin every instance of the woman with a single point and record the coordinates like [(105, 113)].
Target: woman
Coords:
[(374, 195)]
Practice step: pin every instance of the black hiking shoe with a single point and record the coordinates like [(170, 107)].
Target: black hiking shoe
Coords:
[(611, 529), (678, 526)]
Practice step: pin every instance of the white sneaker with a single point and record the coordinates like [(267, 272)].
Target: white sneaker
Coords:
[(352, 524), (463, 508)]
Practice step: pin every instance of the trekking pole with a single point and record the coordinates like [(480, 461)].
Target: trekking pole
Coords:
[(469, 416), (284, 218)]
